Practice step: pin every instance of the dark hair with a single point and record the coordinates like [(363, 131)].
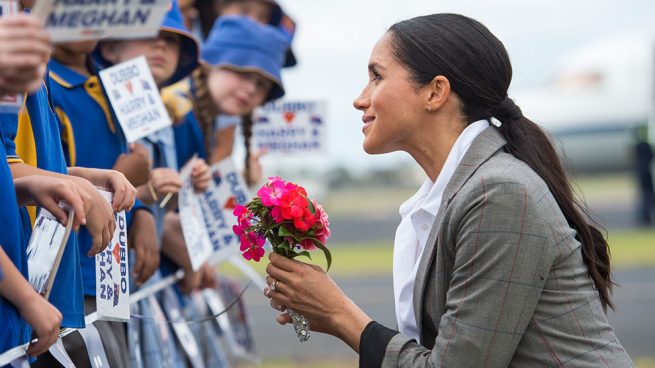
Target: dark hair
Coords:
[(479, 70)]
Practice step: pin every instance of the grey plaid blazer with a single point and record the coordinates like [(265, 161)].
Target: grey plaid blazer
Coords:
[(501, 282)]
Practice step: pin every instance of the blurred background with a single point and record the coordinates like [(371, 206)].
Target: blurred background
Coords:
[(584, 70)]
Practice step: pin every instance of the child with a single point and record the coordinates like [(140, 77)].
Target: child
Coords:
[(171, 57), (244, 59)]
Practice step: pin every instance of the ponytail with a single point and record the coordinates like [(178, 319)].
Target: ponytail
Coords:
[(528, 142), (247, 135), (479, 70), (203, 105)]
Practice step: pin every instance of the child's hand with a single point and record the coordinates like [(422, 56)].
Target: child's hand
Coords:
[(164, 181), (135, 165), (100, 220), (143, 239), (44, 319), (24, 53), (111, 180), (200, 175), (256, 172), (47, 192)]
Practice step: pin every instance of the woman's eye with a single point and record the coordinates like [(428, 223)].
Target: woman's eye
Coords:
[(376, 76)]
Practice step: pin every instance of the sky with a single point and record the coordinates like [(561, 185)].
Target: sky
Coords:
[(334, 40)]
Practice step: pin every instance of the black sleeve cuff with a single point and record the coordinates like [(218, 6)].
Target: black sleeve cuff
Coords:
[(373, 344)]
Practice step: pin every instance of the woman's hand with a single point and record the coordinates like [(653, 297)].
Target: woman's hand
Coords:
[(200, 175), (308, 290)]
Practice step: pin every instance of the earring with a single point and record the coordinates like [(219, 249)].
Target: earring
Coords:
[(429, 108)]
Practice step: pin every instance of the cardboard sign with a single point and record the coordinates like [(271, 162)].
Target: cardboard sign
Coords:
[(45, 249), (8, 7), (112, 274), (77, 20), (193, 221), (226, 189), (135, 98), (11, 104), (181, 329), (291, 127)]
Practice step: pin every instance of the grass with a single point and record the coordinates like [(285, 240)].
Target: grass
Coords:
[(629, 249)]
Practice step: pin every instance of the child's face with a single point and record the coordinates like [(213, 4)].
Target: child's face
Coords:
[(162, 53), (257, 10), (237, 93)]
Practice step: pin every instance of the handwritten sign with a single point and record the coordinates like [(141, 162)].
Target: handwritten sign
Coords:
[(46, 248), (193, 221), (226, 189), (291, 127), (77, 20), (112, 283), (135, 98), (8, 7)]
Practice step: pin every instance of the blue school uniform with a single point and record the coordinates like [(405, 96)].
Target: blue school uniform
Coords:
[(33, 137), (90, 137), (15, 330)]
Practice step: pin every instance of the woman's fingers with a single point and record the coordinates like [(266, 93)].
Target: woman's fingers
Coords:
[(278, 273), (284, 263), (283, 318)]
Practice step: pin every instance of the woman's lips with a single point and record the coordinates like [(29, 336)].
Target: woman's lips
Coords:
[(368, 121)]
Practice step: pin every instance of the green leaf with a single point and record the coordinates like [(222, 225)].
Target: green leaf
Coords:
[(312, 209), (304, 253), (284, 232), (326, 252)]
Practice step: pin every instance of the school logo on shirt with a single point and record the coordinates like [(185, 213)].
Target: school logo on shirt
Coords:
[(11, 104)]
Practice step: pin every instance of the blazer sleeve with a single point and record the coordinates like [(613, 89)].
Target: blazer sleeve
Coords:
[(502, 260)]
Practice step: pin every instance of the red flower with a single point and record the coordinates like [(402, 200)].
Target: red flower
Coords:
[(305, 221), (292, 205), (252, 246)]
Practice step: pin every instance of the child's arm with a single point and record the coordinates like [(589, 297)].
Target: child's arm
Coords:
[(143, 239), (98, 215), (162, 182), (35, 310), (135, 165)]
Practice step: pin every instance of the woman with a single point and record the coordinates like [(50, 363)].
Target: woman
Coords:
[(495, 264)]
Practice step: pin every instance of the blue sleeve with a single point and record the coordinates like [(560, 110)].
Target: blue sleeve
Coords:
[(129, 215), (8, 130), (189, 140)]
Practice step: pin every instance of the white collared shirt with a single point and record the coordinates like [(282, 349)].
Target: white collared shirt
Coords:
[(418, 214)]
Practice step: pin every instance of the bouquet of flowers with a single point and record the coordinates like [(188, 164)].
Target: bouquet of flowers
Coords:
[(294, 225)]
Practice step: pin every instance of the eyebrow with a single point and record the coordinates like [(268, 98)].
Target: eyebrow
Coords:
[(375, 67)]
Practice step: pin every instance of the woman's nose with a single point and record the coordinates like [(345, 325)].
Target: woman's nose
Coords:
[(360, 102)]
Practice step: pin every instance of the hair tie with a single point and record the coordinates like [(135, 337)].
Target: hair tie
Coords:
[(506, 111)]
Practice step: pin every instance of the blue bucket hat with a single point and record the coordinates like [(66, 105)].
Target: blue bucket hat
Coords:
[(189, 48), (241, 44)]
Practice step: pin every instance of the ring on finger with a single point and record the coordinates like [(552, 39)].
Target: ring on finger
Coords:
[(274, 285)]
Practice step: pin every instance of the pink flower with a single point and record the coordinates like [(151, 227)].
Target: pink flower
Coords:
[(323, 229), (270, 193), (239, 210), (252, 246)]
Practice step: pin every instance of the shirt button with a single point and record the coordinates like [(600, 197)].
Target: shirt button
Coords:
[(424, 227)]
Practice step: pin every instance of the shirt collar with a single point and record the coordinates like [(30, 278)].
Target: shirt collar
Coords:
[(455, 156), (65, 76)]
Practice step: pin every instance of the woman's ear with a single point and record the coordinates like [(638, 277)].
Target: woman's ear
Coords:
[(437, 92)]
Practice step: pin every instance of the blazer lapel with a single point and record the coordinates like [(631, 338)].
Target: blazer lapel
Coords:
[(482, 148)]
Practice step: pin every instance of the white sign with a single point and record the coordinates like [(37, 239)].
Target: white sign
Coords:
[(112, 274), (11, 104), (291, 127), (77, 20), (46, 248), (8, 7), (192, 220), (226, 190), (135, 98)]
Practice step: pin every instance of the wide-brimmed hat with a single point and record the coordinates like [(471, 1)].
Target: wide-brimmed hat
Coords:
[(189, 48), (241, 44)]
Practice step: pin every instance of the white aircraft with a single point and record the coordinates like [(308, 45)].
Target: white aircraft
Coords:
[(598, 96)]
